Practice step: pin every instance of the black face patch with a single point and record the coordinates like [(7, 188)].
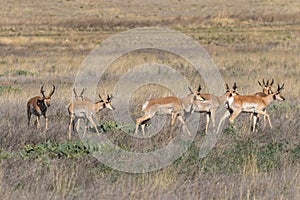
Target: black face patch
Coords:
[(41, 105), (40, 102)]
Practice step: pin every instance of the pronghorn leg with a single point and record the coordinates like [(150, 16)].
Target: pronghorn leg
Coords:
[(93, 123), (46, 119), (268, 117), (85, 127), (136, 127), (265, 124), (71, 124), (251, 117), (207, 121), (174, 115), (37, 121), (213, 117), (234, 115), (254, 122), (226, 114), (77, 124), (183, 124), (257, 119), (143, 128), (28, 116), (139, 121)]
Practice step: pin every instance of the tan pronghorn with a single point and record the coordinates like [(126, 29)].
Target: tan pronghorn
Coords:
[(253, 104), (83, 109), (212, 103), (171, 105), (267, 89), (38, 106), (80, 98)]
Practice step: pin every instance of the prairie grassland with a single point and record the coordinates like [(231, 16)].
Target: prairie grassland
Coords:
[(45, 42)]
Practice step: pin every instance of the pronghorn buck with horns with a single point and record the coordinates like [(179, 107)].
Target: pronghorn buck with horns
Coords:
[(212, 103), (38, 106), (80, 97), (253, 104), (83, 109), (171, 105), (267, 89)]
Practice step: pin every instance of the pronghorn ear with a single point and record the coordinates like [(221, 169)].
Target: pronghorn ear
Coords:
[(43, 91)]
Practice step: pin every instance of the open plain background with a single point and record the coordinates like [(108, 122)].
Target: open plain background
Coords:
[(44, 42)]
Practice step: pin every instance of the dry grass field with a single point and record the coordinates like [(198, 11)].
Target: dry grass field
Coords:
[(45, 42)]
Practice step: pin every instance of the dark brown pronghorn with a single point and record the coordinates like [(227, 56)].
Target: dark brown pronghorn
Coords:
[(253, 104), (212, 103), (84, 109), (38, 106), (171, 105)]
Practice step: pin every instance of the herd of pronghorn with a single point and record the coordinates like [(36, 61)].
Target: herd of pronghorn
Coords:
[(84, 108)]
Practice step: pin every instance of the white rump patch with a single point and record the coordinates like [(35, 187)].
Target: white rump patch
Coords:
[(145, 105)]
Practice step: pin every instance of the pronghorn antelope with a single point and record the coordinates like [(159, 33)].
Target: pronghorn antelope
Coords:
[(171, 105), (86, 110), (38, 106), (267, 89), (80, 98), (212, 103), (253, 104)]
